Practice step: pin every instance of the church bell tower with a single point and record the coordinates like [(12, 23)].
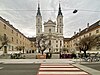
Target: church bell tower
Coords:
[(38, 22), (60, 21)]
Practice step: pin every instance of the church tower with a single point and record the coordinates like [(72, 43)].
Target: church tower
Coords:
[(38, 22), (60, 22)]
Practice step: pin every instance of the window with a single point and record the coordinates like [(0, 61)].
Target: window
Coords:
[(49, 49), (84, 36), (56, 45), (38, 30), (17, 41), (98, 47), (60, 20), (89, 34), (56, 41), (12, 31), (5, 37), (60, 43), (50, 42), (56, 49), (97, 31), (12, 39), (38, 20), (12, 48), (49, 30), (16, 34), (60, 30), (57, 29), (79, 38), (4, 26)]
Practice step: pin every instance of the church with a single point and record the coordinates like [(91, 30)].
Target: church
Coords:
[(54, 29)]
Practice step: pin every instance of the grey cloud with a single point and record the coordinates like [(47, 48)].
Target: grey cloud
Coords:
[(25, 20)]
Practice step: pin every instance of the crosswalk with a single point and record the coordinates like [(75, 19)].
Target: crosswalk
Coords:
[(1, 68), (60, 69)]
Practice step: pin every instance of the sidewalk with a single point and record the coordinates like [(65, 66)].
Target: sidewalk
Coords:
[(5, 61)]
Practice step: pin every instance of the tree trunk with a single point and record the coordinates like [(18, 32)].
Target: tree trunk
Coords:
[(85, 53), (5, 49), (42, 52), (1, 46)]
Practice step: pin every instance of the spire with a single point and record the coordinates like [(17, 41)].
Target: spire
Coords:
[(59, 12), (38, 11)]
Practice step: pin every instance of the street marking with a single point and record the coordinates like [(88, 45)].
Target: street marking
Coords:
[(60, 69), (56, 72), (56, 66), (1, 68)]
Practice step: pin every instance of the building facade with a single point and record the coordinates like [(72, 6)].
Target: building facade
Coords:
[(93, 29), (53, 30), (15, 39)]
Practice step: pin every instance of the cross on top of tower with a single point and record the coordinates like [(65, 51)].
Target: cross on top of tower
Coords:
[(59, 11), (38, 11)]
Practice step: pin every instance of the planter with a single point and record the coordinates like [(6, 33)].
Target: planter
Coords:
[(40, 56)]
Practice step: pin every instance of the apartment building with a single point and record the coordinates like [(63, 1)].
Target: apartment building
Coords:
[(93, 29), (15, 39)]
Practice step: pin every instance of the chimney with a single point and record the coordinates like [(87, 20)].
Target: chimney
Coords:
[(74, 33), (7, 22), (79, 30), (87, 25)]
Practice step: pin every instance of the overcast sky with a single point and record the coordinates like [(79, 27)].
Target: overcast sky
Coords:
[(22, 14)]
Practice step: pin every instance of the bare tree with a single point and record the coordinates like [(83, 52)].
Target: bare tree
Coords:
[(20, 48), (4, 41), (87, 43), (42, 43), (65, 50)]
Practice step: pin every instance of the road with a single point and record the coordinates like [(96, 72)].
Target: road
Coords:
[(95, 66), (31, 69), (19, 69)]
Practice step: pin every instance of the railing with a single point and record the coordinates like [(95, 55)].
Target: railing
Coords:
[(92, 58)]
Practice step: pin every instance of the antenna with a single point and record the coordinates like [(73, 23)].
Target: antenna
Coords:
[(38, 2), (59, 1)]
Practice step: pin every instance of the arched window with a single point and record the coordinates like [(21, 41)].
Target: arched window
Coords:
[(49, 42), (38, 30), (60, 30), (49, 30), (60, 43), (60, 20), (12, 39), (38, 20)]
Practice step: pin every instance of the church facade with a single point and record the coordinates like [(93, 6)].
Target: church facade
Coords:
[(52, 29)]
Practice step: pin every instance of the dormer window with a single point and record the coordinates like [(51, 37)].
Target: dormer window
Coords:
[(99, 23), (4, 26), (97, 31)]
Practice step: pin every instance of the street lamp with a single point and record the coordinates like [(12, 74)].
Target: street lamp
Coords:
[(75, 11)]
